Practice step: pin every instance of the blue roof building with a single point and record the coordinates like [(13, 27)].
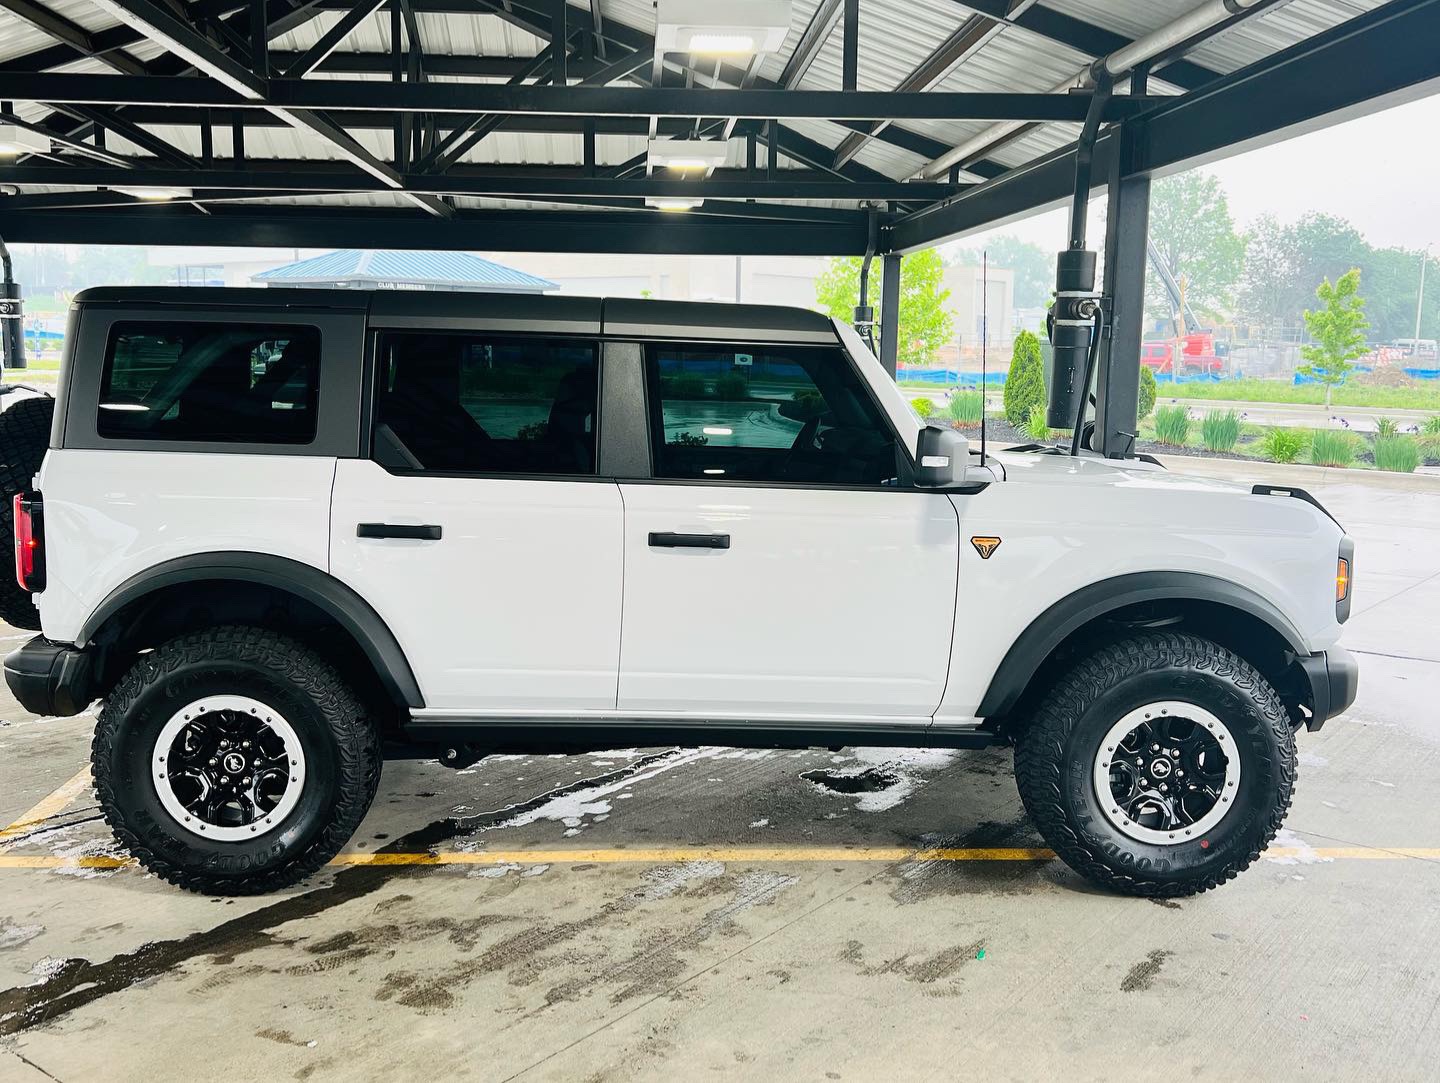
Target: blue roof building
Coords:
[(370, 268)]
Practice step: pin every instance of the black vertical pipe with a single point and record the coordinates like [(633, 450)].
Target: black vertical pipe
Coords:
[(890, 312), (12, 335)]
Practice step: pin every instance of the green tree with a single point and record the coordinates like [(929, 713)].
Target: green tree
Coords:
[(1338, 328), (1033, 267), (1025, 382), (1148, 391), (925, 322), (1193, 233)]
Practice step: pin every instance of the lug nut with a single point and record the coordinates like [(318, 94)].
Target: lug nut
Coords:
[(1174, 753), (213, 761), (1154, 748)]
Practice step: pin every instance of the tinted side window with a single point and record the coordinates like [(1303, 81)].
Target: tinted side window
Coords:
[(483, 404), (722, 413), (250, 383)]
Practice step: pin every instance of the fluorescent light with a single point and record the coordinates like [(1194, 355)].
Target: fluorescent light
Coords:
[(716, 430), (673, 203), (125, 407), (713, 470), (155, 194), (17, 140), (716, 44), (721, 27), (687, 155)]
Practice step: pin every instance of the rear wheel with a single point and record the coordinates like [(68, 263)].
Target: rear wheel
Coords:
[(1161, 765), (24, 436), (234, 761)]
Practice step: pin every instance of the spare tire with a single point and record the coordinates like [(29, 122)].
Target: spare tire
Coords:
[(24, 436)]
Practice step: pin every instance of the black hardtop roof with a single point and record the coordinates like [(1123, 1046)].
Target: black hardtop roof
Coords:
[(622, 317)]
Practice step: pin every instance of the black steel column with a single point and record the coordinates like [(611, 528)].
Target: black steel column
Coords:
[(1127, 225), (890, 311)]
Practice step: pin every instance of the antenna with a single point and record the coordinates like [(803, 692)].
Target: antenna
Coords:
[(984, 339)]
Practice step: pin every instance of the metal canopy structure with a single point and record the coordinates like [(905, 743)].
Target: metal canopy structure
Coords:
[(878, 125)]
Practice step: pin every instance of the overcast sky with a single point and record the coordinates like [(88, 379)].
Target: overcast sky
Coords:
[(1382, 172)]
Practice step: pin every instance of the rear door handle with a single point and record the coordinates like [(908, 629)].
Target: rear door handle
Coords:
[(388, 530), (689, 541)]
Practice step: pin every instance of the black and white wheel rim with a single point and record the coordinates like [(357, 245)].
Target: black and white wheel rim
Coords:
[(228, 768), (1167, 773)]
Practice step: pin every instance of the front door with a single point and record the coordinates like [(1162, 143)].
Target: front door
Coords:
[(776, 565)]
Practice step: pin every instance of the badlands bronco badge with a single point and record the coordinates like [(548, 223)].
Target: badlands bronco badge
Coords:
[(985, 546)]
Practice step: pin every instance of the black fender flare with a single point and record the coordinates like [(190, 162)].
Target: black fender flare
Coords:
[(1047, 631), (319, 588)]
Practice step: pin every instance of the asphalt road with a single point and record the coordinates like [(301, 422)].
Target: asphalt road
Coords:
[(664, 913)]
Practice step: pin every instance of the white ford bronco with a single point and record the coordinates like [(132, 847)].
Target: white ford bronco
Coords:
[(280, 535)]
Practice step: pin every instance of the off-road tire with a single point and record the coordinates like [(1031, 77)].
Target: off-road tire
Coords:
[(24, 436), (1055, 755), (340, 740)]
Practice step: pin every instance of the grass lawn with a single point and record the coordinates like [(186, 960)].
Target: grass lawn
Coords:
[(1394, 398), (34, 364)]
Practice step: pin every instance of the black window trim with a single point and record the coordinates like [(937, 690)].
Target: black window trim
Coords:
[(371, 370), (905, 461), (337, 428)]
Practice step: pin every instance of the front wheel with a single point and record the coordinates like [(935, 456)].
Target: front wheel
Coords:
[(1161, 765), (234, 761)]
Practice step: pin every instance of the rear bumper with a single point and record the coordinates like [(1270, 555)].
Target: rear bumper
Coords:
[(51, 678), (1334, 677)]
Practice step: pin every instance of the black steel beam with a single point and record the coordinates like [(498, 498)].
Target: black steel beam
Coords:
[(1087, 38), (344, 95), (516, 231), (515, 183), (1384, 54), (316, 55), (71, 34), (966, 40), (1127, 227)]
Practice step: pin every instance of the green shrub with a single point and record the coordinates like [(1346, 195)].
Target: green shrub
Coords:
[(1398, 453), (1220, 429), (1172, 425), (1431, 426), (1429, 444), (1386, 426), (923, 406), (1035, 426), (1147, 391), (1331, 447), (1283, 445), (1025, 382), (966, 407)]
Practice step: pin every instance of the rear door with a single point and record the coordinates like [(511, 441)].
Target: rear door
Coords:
[(478, 526), (778, 562)]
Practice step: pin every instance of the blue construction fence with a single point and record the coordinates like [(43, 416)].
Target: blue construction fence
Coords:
[(955, 378)]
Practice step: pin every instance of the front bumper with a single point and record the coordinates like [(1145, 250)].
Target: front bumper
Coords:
[(1334, 677), (51, 678)]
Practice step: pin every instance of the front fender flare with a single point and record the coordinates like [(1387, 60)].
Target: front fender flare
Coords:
[(1047, 631)]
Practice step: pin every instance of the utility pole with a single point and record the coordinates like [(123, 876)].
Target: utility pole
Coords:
[(1420, 301)]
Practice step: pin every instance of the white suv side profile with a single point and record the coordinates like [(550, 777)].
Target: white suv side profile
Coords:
[(276, 532)]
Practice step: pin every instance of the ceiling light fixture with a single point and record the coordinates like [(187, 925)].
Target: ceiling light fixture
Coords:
[(688, 156), (673, 203), (721, 27), (155, 194)]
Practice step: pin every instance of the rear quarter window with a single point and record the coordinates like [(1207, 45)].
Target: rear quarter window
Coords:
[(230, 383)]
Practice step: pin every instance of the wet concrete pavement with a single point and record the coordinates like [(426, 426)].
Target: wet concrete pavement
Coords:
[(717, 911)]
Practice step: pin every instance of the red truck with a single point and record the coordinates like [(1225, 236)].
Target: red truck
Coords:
[(1198, 356)]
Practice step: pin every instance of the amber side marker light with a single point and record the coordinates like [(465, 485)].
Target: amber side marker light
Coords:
[(1342, 579)]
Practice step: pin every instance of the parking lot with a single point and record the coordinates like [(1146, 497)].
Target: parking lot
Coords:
[(825, 915)]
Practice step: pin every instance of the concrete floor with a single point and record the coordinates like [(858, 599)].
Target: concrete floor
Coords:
[(663, 939)]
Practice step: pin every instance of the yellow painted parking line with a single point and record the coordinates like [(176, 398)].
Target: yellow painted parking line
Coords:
[(752, 855), (52, 804)]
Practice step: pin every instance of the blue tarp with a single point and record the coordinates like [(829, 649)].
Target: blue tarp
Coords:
[(1423, 374), (1193, 378), (950, 377)]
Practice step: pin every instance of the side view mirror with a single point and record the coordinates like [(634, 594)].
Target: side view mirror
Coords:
[(941, 457)]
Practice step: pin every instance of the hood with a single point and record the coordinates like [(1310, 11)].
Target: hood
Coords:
[(1037, 467)]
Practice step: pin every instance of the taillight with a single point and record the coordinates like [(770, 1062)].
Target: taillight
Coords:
[(29, 543)]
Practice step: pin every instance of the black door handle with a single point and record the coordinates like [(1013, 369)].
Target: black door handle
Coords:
[(387, 530), (689, 541)]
